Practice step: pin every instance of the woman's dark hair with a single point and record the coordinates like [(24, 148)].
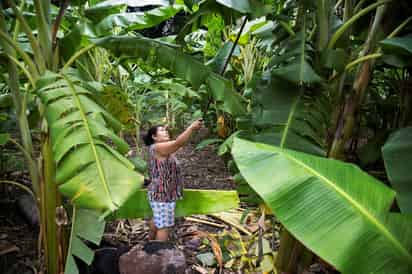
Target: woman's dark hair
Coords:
[(148, 138)]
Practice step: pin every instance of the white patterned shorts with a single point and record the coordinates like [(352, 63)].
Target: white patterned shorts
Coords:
[(163, 213)]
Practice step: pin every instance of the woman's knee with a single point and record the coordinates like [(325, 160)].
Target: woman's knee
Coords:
[(162, 234)]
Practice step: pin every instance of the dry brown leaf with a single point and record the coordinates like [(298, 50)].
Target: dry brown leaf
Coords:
[(200, 269)]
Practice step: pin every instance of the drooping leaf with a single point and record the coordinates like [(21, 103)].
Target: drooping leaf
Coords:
[(85, 226), (294, 63), (103, 9), (255, 7), (181, 64), (397, 154), (335, 209), (129, 21), (398, 45), (195, 201), (91, 170)]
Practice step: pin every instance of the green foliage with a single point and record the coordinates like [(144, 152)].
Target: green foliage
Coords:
[(135, 20), (397, 51), (4, 138), (117, 103), (106, 8), (294, 61), (397, 153), (182, 65), (215, 25), (353, 213)]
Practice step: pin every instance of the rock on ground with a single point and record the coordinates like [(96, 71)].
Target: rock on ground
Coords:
[(153, 258)]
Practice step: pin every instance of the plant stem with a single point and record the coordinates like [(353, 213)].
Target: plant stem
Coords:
[(363, 59), (42, 17), (352, 20), (25, 71), (50, 200), (348, 116), (20, 185), (20, 108), (323, 8), (9, 42), (400, 27), (55, 27), (234, 46), (33, 42), (77, 55)]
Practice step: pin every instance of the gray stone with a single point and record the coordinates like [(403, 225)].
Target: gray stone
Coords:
[(154, 257)]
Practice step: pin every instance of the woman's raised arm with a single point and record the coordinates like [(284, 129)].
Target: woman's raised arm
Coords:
[(169, 147)]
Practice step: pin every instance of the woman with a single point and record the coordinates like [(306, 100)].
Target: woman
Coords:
[(166, 185)]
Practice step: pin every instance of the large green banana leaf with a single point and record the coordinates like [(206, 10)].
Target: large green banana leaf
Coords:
[(90, 172), (335, 209), (182, 65), (195, 201), (397, 154)]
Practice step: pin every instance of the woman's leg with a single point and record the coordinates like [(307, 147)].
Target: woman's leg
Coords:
[(162, 234), (163, 219), (152, 230)]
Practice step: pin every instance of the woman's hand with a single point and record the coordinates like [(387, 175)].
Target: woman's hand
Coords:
[(196, 125)]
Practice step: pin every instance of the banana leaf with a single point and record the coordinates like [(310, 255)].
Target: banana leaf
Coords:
[(105, 8), (195, 201), (136, 20), (288, 116), (85, 225), (397, 155), (398, 45), (182, 65), (254, 7), (91, 170), (334, 208), (294, 64)]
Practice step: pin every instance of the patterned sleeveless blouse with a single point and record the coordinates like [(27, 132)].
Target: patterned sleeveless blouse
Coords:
[(166, 184)]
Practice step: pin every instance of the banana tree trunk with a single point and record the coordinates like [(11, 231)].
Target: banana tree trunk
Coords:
[(49, 202), (323, 15), (293, 257), (347, 119)]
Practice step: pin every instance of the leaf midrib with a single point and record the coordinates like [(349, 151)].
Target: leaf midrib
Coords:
[(90, 137), (368, 216)]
